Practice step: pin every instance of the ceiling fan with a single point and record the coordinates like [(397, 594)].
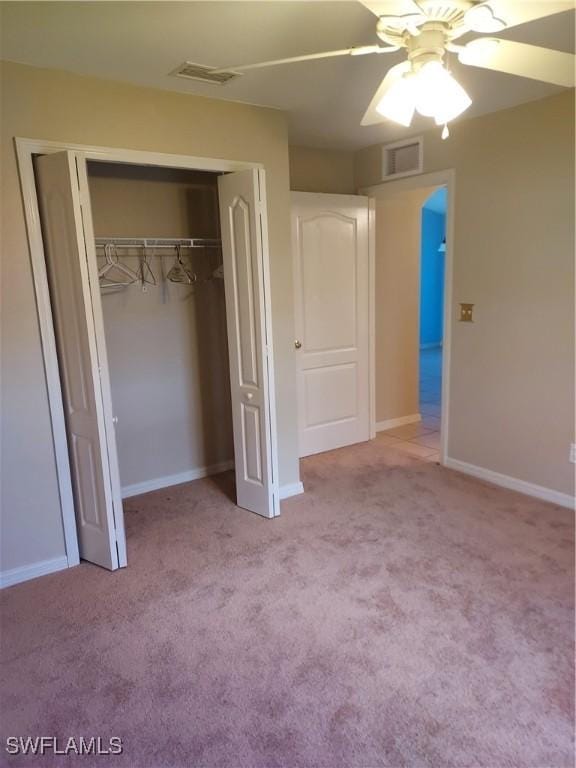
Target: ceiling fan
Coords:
[(427, 30)]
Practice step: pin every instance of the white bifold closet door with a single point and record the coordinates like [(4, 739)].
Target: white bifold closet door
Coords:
[(74, 288), (244, 247)]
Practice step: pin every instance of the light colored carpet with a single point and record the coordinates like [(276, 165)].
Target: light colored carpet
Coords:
[(397, 614)]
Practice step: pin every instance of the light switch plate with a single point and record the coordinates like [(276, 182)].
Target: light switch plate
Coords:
[(573, 453), (466, 311)]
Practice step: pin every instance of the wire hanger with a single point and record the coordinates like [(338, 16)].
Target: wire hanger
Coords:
[(147, 276), (179, 272), (112, 263)]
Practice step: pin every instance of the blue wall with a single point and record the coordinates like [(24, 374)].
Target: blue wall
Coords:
[(431, 277)]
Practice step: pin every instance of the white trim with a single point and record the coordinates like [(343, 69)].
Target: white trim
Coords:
[(292, 489), (382, 426), (134, 156), (25, 150), (182, 477), (512, 483), (446, 178), (27, 572), (372, 312)]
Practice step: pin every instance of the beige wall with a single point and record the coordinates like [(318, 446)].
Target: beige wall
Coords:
[(58, 106), (512, 375), (321, 170), (397, 303), (166, 346), (148, 201)]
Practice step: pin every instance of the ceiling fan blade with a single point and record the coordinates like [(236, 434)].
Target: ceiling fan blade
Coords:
[(391, 7), (291, 60), (481, 18), (361, 50), (521, 60), (514, 12), (371, 116)]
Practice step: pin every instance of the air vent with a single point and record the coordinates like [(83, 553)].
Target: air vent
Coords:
[(403, 158), (212, 75)]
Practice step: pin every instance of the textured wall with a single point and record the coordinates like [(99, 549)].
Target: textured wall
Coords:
[(512, 372), (321, 170), (397, 298)]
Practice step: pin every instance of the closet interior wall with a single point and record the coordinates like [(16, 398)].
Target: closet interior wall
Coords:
[(167, 344)]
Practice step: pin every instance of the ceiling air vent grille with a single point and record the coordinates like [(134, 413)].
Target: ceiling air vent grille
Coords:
[(403, 158), (213, 75)]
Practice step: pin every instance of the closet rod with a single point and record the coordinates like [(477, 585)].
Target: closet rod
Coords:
[(159, 242)]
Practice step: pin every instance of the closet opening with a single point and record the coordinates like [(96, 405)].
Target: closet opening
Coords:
[(159, 257), (153, 294)]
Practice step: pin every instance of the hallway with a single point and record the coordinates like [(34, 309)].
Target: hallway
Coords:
[(430, 386), (422, 439)]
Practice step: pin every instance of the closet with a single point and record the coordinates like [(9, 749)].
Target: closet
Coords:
[(159, 255), (156, 287)]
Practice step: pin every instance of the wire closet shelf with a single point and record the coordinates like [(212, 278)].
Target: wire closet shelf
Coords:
[(159, 242), (115, 275)]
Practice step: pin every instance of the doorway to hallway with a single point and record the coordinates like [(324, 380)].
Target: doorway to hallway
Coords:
[(419, 434), (432, 278)]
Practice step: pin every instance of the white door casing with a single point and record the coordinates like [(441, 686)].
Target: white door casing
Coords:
[(71, 264), (244, 248), (330, 247)]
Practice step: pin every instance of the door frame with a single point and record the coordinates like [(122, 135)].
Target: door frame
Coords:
[(25, 151), (444, 178)]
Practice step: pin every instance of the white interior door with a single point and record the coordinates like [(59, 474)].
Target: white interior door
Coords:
[(74, 290), (243, 223), (331, 278)]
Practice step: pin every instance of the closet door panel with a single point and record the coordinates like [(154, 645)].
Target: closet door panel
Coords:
[(242, 219), (73, 313)]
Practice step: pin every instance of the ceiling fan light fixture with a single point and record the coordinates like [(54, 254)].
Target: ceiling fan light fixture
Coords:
[(438, 94), (398, 103), (431, 91)]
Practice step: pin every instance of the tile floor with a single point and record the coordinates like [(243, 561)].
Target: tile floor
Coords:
[(423, 439)]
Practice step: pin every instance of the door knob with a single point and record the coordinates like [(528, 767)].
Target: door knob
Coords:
[(248, 396), (297, 344)]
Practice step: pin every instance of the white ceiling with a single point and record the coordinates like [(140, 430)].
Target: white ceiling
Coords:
[(141, 42)]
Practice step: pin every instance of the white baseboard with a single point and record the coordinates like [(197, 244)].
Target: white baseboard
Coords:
[(182, 477), (512, 483), (401, 421), (286, 491), (27, 572), (292, 489)]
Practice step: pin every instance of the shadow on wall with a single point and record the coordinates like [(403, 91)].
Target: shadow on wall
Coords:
[(432, 269)]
